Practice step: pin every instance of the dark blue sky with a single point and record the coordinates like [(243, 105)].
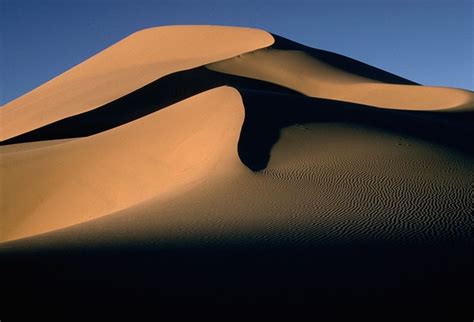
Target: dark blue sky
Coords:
[(428, 41)]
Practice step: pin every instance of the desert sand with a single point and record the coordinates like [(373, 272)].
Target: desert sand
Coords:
[(124, 67), (183, 155), (89, 173), (302, 72)]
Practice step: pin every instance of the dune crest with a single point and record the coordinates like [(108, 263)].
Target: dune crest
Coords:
[(301, 72), (124, 67), (168, 151)]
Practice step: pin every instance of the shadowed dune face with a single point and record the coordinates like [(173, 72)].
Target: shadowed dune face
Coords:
[(260, 133), (261, 99), (148, 99), (124, 67)]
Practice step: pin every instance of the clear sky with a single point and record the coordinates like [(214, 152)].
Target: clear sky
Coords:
[(427, 41)]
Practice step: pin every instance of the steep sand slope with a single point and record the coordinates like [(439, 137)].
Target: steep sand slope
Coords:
[(124, 67), (302, 72), (166, 152)]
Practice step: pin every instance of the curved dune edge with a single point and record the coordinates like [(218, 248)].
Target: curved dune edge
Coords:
[(124, 67), (30, 146), (301, 72), (161, 154)]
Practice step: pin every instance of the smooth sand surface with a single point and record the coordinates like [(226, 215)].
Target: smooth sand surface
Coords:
[(302, 72), (124, 67), (165, 152), (14, 148)]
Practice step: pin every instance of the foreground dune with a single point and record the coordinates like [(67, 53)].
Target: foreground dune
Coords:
[(324, 183), (90, 177), (124, 67)]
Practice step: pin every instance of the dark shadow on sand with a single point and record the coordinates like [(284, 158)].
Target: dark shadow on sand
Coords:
[(267, 113), (268, 109), (161, 93), (237, 277), (342, 62)]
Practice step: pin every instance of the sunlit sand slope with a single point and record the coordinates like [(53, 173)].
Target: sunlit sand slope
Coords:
[(310, 76), (124, 67), (168, 151)]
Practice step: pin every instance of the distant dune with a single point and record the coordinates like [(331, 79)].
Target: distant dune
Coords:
[(206, 138), (316, 77)]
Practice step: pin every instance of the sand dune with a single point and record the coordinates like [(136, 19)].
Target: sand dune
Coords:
[(157, 142), (159, 94), (322, 178), (128, 147), (324, 183), (302, 72), (124, 67), (69, 183), (225, 164)]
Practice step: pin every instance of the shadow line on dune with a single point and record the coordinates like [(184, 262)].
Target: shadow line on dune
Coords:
[(180, 85), (342, 62), (268, 109), (146, 100), (268, 113)]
